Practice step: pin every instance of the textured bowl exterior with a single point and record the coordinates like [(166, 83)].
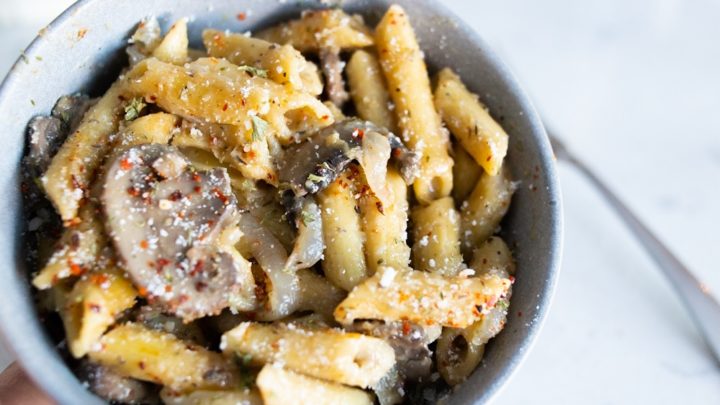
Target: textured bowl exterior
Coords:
[(82, 50)]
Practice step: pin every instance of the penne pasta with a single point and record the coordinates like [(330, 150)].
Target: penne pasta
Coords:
[(469, 121), (316, 294), (174, 46), (93, 305), (280, 387), (407, 78), (71, 170), (368, 89), (241, 396), (481, 213), (436, 235), (134, 351), (315, 29), (344, 263), (466, 173), (493, 256), (422, 298), (385, 226), (282, 63), (329, 354), (223, 93), (152, 128)]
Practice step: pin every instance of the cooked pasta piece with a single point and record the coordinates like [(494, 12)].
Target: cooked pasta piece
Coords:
[(470, 122), (174, 46), (152, 128), (466, 173), (317, 29), (134, 351), (71, 170), (282, 63), (459, 351), (316, 294), (368, 89), (219, 92), (78, 249), (281, 387), (344, 263), (329, 354), (385, 226), (93, 305), (407, 78), (493, 256), (422, 298), (481, 213), (436, 235), (240, 396)]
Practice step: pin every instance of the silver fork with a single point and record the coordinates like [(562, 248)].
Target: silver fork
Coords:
[(703, 307)]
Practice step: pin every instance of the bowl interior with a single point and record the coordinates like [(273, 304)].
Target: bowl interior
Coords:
[(83, 51)]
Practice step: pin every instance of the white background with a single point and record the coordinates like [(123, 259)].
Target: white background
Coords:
[(634, 88)]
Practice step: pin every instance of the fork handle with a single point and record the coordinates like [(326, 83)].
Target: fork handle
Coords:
[(696, 296)]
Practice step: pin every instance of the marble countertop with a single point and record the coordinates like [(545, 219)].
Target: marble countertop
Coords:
[(634, 89)]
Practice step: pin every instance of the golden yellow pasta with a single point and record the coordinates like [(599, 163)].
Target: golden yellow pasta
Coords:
[(344, 263), (470, 122), (174, 46), (282, 63), (368, 90), (93, 305), (422, 298), (223, 93), (330, 354), (241, 396), (134, 351), (481, 213), (280, 387), (152, 128), (407, 78), (466, 173), (317, 29), (436, 232), (71, 170), (385, 226)]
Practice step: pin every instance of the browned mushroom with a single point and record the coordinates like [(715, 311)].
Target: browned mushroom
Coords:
[(332, 67), (164, 218), (310, 166)]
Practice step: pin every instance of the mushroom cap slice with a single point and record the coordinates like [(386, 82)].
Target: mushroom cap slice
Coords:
[(164, 218)]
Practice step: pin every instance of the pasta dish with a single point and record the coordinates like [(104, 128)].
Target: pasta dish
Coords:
[(299, 216)]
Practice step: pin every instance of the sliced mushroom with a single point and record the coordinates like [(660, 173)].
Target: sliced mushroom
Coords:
[(309, 246), (113, 387), (312, 165), (410, 342), (332, 67), (163, 218)]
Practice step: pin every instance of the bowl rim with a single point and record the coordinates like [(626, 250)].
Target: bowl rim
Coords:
[(38, 372)]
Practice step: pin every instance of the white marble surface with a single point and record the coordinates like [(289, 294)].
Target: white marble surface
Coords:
[(633, 87)]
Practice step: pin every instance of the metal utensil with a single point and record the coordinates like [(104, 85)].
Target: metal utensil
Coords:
[(703, 307)]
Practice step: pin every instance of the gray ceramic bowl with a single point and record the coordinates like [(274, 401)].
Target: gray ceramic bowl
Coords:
[(83, 50)]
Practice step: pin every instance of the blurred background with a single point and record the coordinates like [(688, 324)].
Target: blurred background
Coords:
[(633, 87)]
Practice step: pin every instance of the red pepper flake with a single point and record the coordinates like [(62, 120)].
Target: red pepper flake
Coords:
[(379, 206), (220, 195), (75, 270), (489, 158), (324, 117), (396, 152), (99, 279), (144, 244), (196, 178), (358, 133), (126, 164), (141, 364), (133, 191), (162, 262), (143, 292), (81, 33), (512, 279), (198, 268), (241, 16), (200, 286), (152, 98), (197, 189), (176, 195), (94, 308), (168, 288), (406, 328), (225, 107), (75, 182)]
